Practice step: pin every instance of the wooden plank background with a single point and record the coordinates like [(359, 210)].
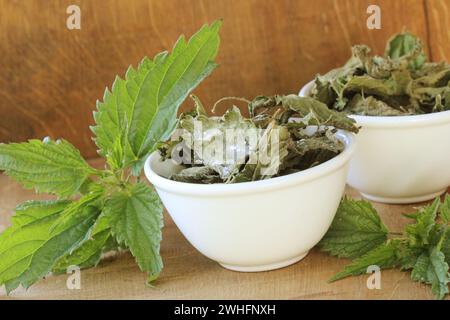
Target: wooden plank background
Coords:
[(50, 77)]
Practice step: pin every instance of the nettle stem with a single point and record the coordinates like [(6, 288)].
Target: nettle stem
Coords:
[(213, 110)]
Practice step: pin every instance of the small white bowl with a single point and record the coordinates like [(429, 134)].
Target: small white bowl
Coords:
[(400, 159), (260, 225)]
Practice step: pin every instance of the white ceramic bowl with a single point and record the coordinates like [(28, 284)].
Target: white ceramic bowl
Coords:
[(400, 159), (255, 226)]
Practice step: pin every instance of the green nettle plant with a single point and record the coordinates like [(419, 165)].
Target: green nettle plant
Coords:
[(102, 210), (357, 233)]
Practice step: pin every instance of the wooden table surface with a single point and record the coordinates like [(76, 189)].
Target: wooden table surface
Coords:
[(189, 275)]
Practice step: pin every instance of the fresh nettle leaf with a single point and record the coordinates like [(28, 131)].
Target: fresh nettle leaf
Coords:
[(106, 209), (356, 230), (89, 253), (384, 256), (419, 232), (114, 113), (431, 268), (446, 247), (445, 210), (54, 167), (29, 249), (424, 248), (128, 213), (145, 103)]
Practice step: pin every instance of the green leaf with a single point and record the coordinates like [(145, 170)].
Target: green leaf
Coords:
[(356, 229), (167, 86), (48, 166), (28, 249), (444, 241), (407, 46), (419, 232), (446, 247), (113, 115), (438, 274), (409, 256), (420, 270), (445, 210), (135, 217), (431, 268), (142, 109), (89, 253), (424, 248), (384, 256), (75, 207)]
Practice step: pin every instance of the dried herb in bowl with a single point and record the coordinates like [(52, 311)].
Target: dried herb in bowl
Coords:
[(277, 139), (402, 82)]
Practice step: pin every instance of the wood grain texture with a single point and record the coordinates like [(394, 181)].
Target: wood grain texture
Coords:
[(189, 275), (438, 16), (51, 77)]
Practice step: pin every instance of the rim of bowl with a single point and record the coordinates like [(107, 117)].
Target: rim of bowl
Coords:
[(222, 189), (398, 122)]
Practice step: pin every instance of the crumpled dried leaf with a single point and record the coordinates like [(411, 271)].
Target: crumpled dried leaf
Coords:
[(371, 106), (440, 78), (262, 164), (402, 82), (213, 132), (408, 47), (285, 134), (205, 175), (311, 149), (375, 66), (301, 107), (325, 140), (431, 99)]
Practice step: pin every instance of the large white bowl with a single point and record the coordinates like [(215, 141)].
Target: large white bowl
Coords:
[(400, 159), (255, 226)]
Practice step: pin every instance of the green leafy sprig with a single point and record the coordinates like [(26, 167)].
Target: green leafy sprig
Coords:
[(358, 233), (101, 210)]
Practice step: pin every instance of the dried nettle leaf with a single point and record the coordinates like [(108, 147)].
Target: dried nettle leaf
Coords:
[(402, 82), (285, 134), (408, 47), (205, 175), (261, 164), (301, 107), (371, 106), (212, 132)]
